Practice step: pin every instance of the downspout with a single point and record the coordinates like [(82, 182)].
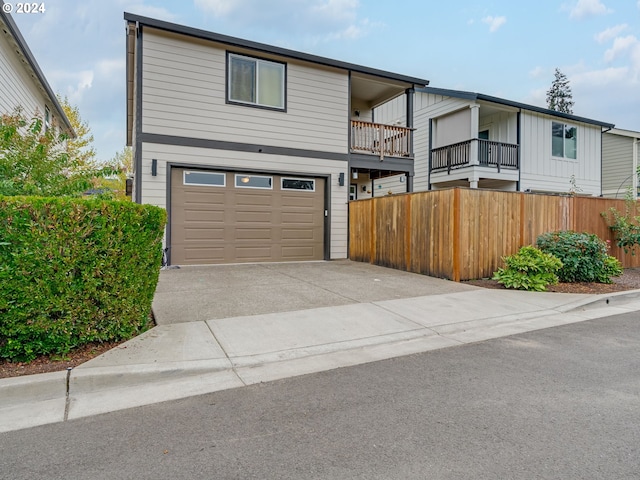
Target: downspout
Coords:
[(429, 156), (636, 147), (602, 132), (518, 140), (138, 116)]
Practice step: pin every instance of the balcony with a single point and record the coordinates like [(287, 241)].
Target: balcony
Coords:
[(381, 140), (484, 153)]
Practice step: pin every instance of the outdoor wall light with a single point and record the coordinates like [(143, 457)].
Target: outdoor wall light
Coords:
[(154, 167), (402, 179), (364, 188), (354, 174), (341, 179)]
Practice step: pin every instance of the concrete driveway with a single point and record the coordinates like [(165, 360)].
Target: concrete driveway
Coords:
[(191, 294)]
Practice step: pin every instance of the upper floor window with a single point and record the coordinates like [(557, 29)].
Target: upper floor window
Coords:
[(254, 81), (564, 140)]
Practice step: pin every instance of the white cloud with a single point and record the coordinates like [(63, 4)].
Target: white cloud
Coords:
[(76, 84), (337, 9), (219, 8), (621, 45), (610, 33), (588, 8), (494, 22), (537, 72)]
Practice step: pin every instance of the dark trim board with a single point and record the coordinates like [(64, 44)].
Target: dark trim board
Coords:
[(239, 147), (372, 162), (220, 168)]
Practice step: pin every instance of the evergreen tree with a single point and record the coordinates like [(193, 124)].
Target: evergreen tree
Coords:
[(559, 97)]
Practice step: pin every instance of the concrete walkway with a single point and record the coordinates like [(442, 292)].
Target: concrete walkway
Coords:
[(180, 359)]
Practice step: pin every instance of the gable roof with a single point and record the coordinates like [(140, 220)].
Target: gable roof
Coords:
[(7, 23), (488, 98), (262, 47)]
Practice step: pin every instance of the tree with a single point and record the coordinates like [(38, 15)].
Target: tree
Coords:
[(81, 147), (559, 97), (122, 166), (35, 160)]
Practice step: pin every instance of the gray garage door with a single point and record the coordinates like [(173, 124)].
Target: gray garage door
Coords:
[(230, 217)]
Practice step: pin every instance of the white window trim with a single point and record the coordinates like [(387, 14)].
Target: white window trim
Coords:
[(564, 157), (240, 175), (257, 103), (184, 178), (282, 187)]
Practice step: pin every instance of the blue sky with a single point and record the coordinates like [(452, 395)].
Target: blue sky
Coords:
[(504, 48)]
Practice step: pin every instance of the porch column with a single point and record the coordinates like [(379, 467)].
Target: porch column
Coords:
[(475, 127), (409, 183), (409, 116), (473, 181)]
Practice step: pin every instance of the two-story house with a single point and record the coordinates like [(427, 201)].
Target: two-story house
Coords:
[(480, 141), (22, 83), (252, 148)]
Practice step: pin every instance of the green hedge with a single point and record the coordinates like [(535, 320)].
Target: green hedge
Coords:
[(75, 271)]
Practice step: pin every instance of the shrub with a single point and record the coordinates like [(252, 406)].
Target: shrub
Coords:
[(584, 256), (529, 269), (75, 271)]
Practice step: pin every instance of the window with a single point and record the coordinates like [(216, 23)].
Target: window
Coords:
[(205, 179), (298, 184), (253, 181), (255, 82), (47, 118), (564, 140)]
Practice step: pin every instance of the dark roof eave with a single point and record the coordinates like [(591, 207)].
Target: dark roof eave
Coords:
[(509, 103), (262, 47), (15, 33)]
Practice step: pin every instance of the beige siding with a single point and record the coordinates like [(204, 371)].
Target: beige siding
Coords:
[(154, 188), (184, 95), (17, 87), (393, 112), (541, 171), (617, 164)]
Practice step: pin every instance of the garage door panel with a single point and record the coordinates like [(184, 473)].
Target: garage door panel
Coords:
[(253, 253), (204, 216), (253, 234), (204, 234), (253, 199), (233, 224), (298, 252)]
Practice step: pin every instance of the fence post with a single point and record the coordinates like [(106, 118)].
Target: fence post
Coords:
[(456, 235), (372, 248), (408, 227)]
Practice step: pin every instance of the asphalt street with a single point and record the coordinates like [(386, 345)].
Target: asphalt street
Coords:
[(560, 403)]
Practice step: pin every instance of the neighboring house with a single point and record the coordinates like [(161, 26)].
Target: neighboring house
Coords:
[(479, 141), (22, 83), (251, 148), (620, 150)]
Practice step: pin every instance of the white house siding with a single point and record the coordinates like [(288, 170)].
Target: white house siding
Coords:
[(540, 171), (502, 126), (154, 188), (17, 87), (393, 112), (617, 165), (184, 95)]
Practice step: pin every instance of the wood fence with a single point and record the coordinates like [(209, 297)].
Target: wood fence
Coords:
[(461, 234)]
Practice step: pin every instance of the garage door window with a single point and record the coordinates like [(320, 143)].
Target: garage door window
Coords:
[(299, 184), (254, 181), (206, 179)]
